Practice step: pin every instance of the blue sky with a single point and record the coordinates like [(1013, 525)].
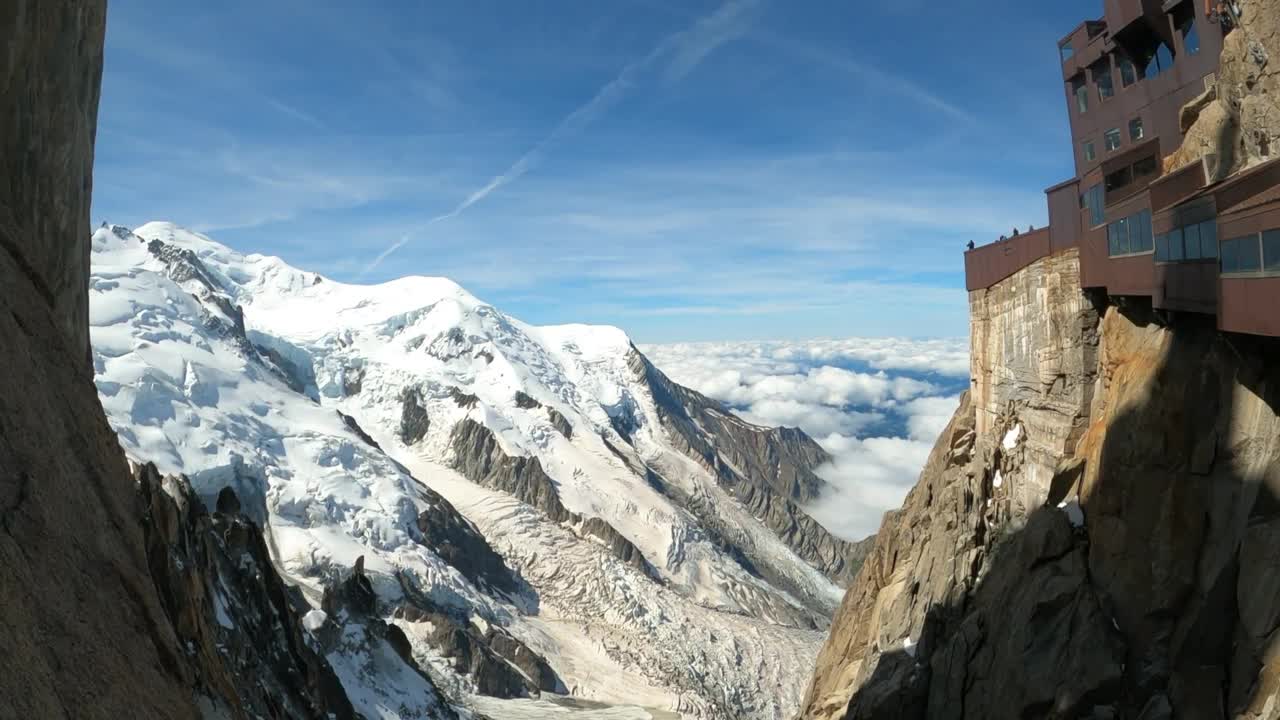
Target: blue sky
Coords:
[(698, 170)]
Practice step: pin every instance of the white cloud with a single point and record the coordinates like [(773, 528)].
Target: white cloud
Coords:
[(867, 477), (841, 392), (928, 416)]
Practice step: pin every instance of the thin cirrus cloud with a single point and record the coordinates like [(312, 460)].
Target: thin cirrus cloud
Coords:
[(876, 405), (682, 51), (764, 170)]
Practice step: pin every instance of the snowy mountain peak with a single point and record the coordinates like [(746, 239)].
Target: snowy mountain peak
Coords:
[(547, 481)]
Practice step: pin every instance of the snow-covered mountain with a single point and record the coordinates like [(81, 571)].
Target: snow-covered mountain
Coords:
[(537, 509)]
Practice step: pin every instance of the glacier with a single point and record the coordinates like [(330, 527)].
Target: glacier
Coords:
[(544, 486)]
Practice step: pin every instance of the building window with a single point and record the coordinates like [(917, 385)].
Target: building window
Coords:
[(1242, 254), (1249, 255), (1159, 60), (1271, 251), (1066, 51), (1191, 242), (1130, 235), (1128, 73), (1081, 91), (1090, 152), (1095, 200), (1209, 239), (1135, 129), (1197, 241), (1145, 166), (1119, 179), (1112, 139), (1101, 72), (1190, 36), (1142, 243)]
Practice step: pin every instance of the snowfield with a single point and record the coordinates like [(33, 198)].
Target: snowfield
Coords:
[(239, 369)]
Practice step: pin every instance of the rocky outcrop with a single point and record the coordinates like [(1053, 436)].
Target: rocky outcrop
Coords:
[(769, 470), (481, 460), (81, 626), (560, 423), (463, 400), (414, 422), (1237, 122), (460, 544), (232, 614), (349, 629), (1125, 582), (354, 427), (498, 664)]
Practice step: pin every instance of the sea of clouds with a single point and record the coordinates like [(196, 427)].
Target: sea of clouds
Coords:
[(875, 404)]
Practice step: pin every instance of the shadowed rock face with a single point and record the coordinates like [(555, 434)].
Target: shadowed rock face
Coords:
[(81, 627), (49, 85), (479, 458), (460, 544), (414, 422), (229, 608), (769, 470)]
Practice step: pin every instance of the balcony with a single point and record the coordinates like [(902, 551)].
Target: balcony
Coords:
[(987, 265)]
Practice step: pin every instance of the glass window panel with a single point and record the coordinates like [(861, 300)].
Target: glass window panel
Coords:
[(1162, 248), (1135, 129), (1090, 152), (1122, 235), (1230, 255), (1145, 166), (1249, 256), (1209, 239), (1165, 56), (1112, 139), (1191, 241), (1144, 230), (1067, 52), (1191, 36), (1175, 245), (1118, 179), (1102, 78), (1081, 91), (1113, 240), (1128, 74), (1097, 206), (1271, 250)]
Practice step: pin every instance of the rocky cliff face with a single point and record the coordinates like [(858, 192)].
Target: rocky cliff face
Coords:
[(1130, 577), (237, 622), (83, 632), (1034, 346)]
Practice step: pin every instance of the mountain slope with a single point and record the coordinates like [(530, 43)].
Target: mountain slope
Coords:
[(575, 521)]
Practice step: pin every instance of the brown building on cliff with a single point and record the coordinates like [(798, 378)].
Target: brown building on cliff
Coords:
[(1153, 221)]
